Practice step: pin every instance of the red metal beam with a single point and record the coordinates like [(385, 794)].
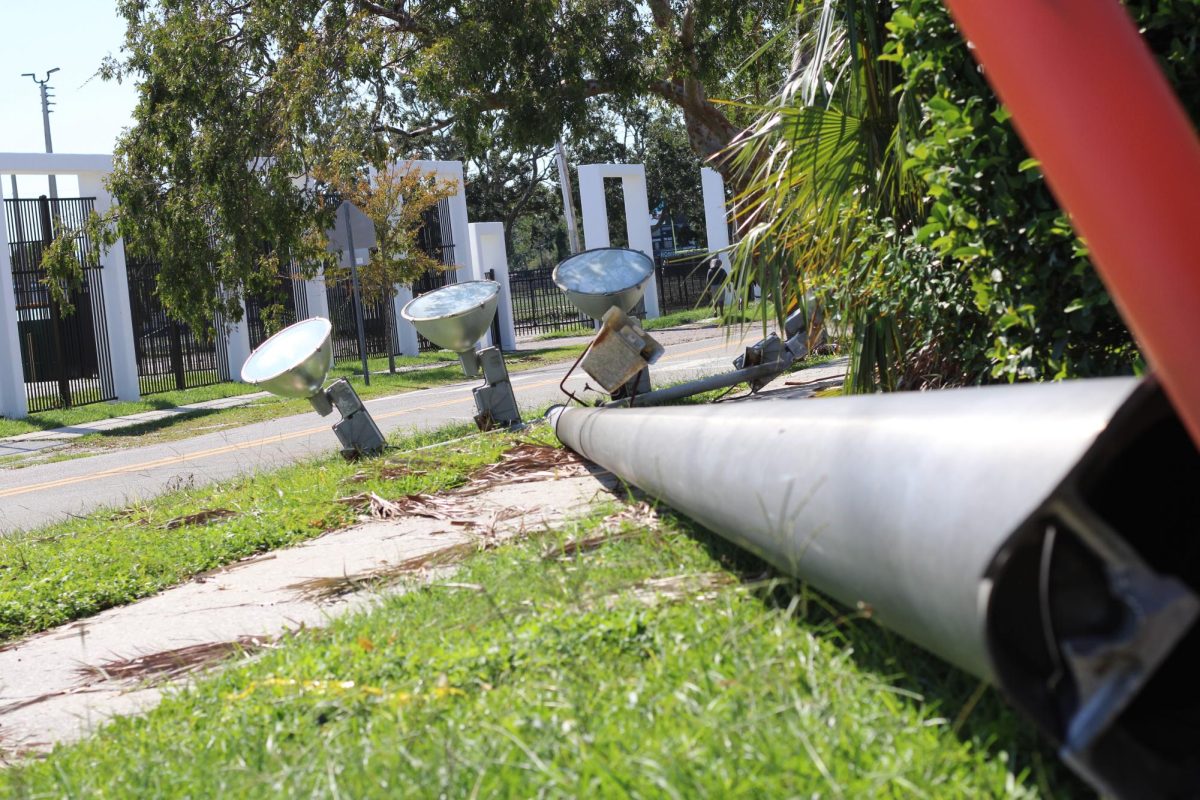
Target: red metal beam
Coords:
[(1120, 155)]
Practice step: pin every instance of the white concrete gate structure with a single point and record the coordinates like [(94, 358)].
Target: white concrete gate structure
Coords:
[(716, 215), (91, 170), (489, 253), (637, 214), (477, 249)]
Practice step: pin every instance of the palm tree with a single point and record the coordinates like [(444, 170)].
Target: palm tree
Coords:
[(821, 165)]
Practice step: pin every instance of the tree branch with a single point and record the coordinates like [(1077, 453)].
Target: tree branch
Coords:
[(660, 11), (404, 21), (431, 127)]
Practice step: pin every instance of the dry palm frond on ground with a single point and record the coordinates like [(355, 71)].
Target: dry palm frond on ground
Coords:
[(527, 462), (634, 520), (329, 589), (170, 664)]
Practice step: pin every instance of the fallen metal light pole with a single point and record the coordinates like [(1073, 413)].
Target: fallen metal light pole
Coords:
[(721, 381), (1041, 536)]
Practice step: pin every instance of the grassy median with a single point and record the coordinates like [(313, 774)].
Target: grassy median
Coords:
[(631, 659), (107, 558), (419, 372)]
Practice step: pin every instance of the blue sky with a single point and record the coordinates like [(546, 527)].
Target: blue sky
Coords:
[(74, 35)]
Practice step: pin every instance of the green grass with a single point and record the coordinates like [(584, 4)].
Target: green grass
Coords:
[(65, 417), (77, 568), (566, 333), (676, 318), (442, 368), (553, 677)]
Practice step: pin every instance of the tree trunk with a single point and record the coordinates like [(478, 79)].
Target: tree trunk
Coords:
[(709, 131)]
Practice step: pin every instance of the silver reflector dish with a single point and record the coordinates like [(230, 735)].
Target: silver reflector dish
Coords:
[(596, 280), (293, 362), (454, 317)]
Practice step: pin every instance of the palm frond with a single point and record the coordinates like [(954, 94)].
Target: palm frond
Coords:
[(822, 158)]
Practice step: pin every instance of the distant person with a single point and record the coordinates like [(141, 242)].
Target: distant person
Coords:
[(715, 283)]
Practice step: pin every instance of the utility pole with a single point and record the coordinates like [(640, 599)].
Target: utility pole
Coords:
[(45, 89), (568, 194)]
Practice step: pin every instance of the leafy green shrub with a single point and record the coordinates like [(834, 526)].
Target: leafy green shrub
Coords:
[(990, 282)]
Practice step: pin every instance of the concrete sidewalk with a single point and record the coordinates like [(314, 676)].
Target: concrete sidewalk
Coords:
[(60, 685)]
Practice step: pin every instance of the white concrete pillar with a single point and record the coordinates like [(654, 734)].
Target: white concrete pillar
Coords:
[(12, 375), (459, 222), (406, 334), (316, 296), (451, 171), (477, 274), (591, 203), (117, 313), (637, 214), (637, 221), (237, 345), (716, 214), (489, 253)]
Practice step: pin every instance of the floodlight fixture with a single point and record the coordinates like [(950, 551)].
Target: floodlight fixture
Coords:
[(596, 280), (295, 362), (456, 317), (605, 283)]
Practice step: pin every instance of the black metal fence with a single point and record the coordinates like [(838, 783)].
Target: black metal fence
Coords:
[(170, 356), (377, 322), (491, 276), (541, 307), (275, 309), (64, 352), (682, 281), (435, 238)]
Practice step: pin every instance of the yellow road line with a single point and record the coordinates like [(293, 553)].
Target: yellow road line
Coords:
[(282, 437)]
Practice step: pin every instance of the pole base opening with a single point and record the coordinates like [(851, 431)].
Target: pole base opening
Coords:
[(1092, 613)]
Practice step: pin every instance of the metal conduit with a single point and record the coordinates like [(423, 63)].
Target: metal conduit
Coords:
[(1041, 536), (720, 381)]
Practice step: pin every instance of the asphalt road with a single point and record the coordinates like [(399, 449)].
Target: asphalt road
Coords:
[(41, 494)]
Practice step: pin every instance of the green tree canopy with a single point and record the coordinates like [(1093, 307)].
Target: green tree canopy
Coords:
[(239, 103)]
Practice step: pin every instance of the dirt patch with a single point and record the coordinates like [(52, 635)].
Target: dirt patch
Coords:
[(524, 463), (199, 518)]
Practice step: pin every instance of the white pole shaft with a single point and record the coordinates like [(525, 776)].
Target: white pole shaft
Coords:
[(568, 195)]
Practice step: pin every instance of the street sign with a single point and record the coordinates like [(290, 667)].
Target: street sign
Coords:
[(359, 230)]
